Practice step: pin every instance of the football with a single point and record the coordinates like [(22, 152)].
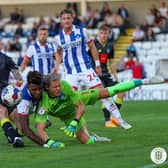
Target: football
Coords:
[(10, 95)]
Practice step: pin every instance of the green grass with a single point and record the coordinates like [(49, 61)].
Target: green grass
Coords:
[(128, 149)]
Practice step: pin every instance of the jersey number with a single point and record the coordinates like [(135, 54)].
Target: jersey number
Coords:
[(92, 76)]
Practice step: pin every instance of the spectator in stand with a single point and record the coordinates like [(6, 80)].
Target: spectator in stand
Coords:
[(163, 9), (138, 34), (19, 30), (158, 18), (136, 67), (16, 45), (2, 24), (21, 18), (88, 12), (14, 16), (150, 18), (0, 13), (108, 19), (51, 27), (111, 37), (154, 10), (73, 7), (41, 22), (30, 40), (119, 23), (149, 35), (123, 12), (105, 9), (34, 29), (84, 22), (131, 50), (163, 26), (76, 20), (92, 22)]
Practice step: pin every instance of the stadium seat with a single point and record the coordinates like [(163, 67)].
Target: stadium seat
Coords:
[(138, 44), (6, 39), (50, 39), (163, 53), (30, 20), (146, 45), (166, 37), (156, 44), (6, 19), (164, 44), (23, 40), (156, 29), (160, 37)]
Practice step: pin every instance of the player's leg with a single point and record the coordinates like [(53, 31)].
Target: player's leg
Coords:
[(14, 118), (93, 81), (107, 81), (8, 128), (84, 137)]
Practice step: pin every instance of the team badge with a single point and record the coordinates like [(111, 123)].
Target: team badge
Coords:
[(42, 110)]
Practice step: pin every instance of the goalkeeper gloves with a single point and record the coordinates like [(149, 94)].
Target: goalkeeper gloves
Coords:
[(70, 130), (53, 144)]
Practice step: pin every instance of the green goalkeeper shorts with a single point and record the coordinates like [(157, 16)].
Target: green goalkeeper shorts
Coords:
[(89, 96)]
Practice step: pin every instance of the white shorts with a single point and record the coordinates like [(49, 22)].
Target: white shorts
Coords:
[(88, 78)]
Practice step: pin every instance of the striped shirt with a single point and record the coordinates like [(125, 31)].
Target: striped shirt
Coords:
[(74, 49), (27, 104), (42, 56)]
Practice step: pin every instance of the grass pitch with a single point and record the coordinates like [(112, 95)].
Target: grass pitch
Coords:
[(128, 149)]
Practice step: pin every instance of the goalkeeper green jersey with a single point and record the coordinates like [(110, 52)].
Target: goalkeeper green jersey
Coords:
[(63, 106)]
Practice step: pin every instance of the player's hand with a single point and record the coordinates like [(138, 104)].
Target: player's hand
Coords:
[(19, 83), (70, 130), (53, 144)]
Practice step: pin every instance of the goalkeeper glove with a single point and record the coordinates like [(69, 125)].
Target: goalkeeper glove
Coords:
[(70, 130), (53, 144)]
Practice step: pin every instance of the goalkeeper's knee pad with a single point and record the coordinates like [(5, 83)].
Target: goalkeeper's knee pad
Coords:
[(90, 141)]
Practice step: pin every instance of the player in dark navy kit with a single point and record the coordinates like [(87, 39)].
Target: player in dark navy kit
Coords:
[(7, 114), (106, 55)]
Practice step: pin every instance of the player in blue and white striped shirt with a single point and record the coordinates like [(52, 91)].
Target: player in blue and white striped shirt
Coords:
[(41, 53), (72, 46)]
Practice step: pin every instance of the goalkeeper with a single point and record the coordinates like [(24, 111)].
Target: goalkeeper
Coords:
[(60, 100)]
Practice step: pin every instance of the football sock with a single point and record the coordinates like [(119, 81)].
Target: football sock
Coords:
[(112, 108), (90, 141), (124, 86), (19, 133), (106, 114), (118, 101), (10, 132)]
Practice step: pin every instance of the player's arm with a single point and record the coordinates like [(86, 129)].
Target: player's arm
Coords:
[(113, 69), (41, 131), (23, 109), (40, 119), (14, 69), (71, 129), (27, 58), (24, 63), (27, 131), (95, 56), (58, 57)]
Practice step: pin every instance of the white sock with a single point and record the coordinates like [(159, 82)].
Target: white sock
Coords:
[(111, 106)]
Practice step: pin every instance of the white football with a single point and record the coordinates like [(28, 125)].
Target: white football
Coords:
[(10, 95)]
